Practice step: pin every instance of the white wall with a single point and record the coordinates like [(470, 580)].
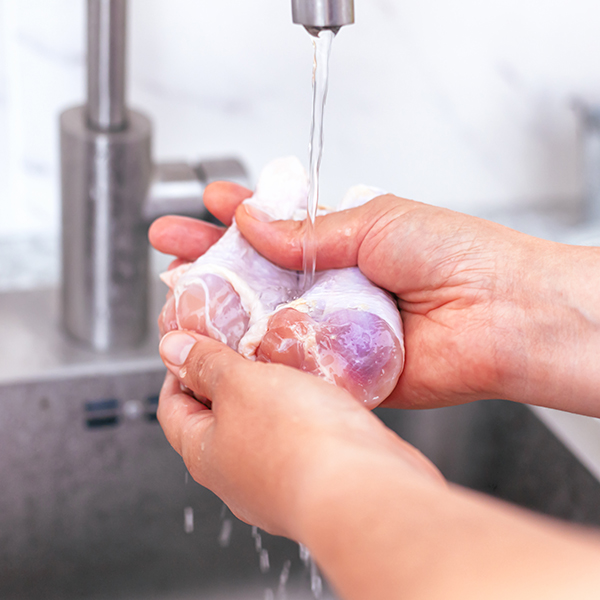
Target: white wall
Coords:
[(462, 103)]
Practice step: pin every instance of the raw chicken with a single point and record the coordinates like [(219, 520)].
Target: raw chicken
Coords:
[(344, 329), (231, 286)]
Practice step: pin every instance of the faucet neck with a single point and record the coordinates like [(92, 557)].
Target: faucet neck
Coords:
[(106, 109)]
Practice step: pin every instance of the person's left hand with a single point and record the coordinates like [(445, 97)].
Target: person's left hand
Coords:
[(274, 436)]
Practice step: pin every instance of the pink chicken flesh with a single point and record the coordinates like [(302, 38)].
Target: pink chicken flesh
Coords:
[(344, 329), (354, 349)]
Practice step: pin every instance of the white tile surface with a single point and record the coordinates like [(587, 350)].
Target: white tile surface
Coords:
[(463, 103), (41, 43)]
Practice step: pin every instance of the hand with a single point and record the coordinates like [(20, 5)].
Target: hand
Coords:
[(272, 432), (487, 311), (300, 457)]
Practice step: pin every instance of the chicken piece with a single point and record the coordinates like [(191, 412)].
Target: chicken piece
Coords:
[(345, 329), (167, 320), (231, 286)]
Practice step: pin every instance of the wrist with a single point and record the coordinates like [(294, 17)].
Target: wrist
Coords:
[(556, 341), (380, 530), (332, 491), (358, 514)]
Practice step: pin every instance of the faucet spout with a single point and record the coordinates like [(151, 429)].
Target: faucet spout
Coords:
[(317, 15)]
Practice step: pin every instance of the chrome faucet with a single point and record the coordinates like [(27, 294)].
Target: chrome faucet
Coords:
[(111, 191), (589, 114), (316, 15)]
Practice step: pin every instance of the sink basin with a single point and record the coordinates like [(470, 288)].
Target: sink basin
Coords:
[(96, 505), (503, 449)]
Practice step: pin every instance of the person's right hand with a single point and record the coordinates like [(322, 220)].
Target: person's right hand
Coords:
[(487, 311)]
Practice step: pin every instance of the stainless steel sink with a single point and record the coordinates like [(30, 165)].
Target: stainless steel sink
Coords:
[(94, 501), (503, 449)]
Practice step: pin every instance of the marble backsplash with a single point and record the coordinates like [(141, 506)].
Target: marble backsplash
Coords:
[(463, 104)]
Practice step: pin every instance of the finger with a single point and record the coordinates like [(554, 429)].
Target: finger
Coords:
[(223, 197), (201, 363), (340, 235), (177, 263), (184, 237), (178, 413)]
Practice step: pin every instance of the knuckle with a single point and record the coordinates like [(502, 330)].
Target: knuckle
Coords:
[(205, 369)]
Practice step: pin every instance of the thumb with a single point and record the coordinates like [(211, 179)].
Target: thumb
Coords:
[(199, 362), (339, 235)]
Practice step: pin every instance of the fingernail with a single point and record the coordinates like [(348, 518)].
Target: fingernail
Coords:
[(258, 214), (175, 347)]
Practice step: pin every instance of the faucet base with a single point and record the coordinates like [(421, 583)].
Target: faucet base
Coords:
[(105, 180)]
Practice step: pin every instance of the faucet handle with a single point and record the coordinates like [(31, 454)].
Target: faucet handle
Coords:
[(178, 187)]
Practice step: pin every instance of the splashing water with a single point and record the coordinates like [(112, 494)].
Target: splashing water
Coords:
[(263, 561), (283, 579), (225, 533), (304, 554), (257, 538), (263, 555), (188, 519), (316, 583), (322, 44)]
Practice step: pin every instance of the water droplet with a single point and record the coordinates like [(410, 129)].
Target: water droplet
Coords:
[(316, 583), (264, 561), (285, 573), (225, 535), (304, 554), (283, 579), (188, 519), (257, 539)]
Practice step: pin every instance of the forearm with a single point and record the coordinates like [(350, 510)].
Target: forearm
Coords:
[(554, 347), (380, 531)]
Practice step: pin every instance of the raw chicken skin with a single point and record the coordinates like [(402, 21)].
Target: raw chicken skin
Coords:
[(229, 287), (354, 349), (211, 305), (167, 320), (344, 329)]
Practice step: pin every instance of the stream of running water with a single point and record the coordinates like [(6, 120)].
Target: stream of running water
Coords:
[(322, 45)]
